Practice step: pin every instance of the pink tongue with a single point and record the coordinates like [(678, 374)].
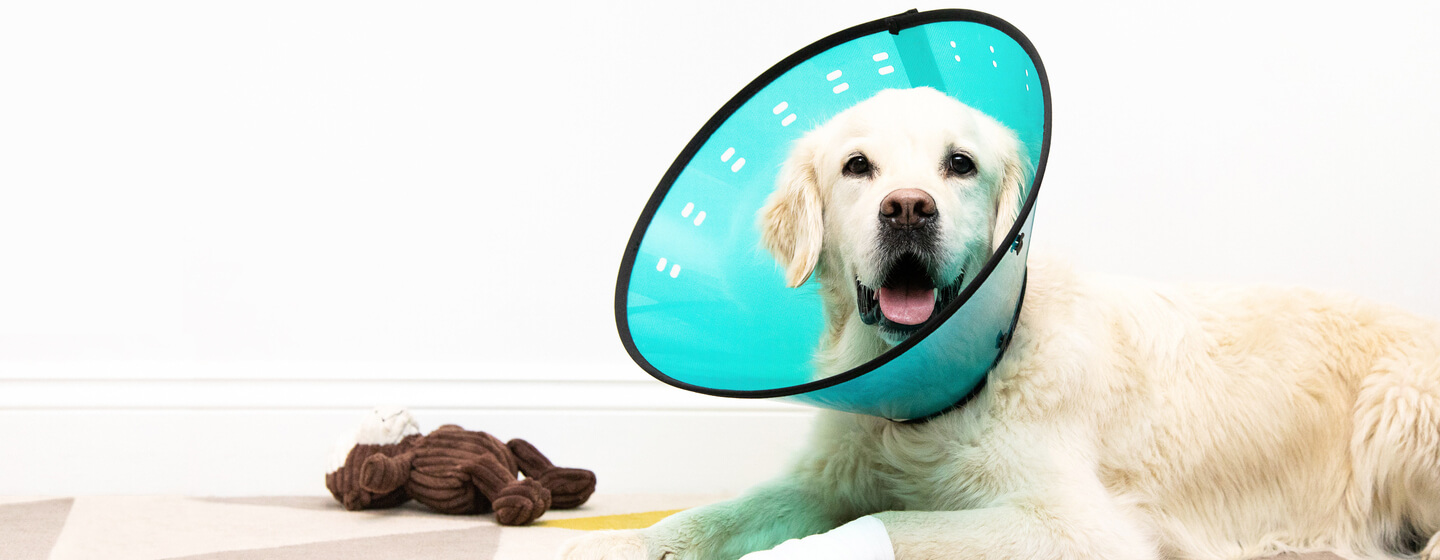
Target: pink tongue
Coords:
[(907, 305)]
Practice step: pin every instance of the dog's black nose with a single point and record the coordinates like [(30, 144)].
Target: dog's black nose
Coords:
[(907, 208)]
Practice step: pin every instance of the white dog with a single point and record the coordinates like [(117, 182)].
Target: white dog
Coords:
[(1126, 419)]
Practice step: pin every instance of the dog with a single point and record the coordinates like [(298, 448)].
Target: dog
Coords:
[(1126, 420)]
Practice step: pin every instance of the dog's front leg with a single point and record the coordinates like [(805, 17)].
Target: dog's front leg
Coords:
[(1010, 532), (768, 515), (1014, 532), (1064, 518)]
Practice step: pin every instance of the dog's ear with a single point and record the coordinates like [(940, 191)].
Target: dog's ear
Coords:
[(1014, 183), (791, 223)]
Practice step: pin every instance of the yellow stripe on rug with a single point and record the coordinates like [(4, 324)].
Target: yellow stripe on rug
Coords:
[(610, 522)]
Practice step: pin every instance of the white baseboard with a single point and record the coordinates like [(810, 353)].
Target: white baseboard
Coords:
[(162, 447), (269, 428)]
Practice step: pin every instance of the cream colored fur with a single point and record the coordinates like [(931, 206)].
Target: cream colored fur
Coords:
[(1126, 420)]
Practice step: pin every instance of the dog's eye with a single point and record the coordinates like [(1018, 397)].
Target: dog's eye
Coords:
[(857, 165), (961, 164)]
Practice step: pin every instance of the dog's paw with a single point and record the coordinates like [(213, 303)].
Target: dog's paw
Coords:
[(607, 545)]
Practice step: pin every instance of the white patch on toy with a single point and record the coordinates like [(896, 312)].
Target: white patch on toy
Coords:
[(383, 425), (386, 425)]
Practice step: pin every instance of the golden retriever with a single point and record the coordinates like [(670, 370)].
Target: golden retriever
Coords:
[(1126, 419)]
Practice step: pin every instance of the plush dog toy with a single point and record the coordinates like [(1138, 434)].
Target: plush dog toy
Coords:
[(451, 470)]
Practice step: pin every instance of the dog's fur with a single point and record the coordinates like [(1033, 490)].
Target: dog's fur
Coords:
[(1126, 420)]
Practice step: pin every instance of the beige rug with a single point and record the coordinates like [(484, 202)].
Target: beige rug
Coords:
[(292, 528), (296, 528)]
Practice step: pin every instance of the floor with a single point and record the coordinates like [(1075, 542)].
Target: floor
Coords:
[(311, 527), (287, 528)]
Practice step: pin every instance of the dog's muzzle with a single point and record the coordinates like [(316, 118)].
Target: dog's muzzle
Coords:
[(906, 299), (909, 294)]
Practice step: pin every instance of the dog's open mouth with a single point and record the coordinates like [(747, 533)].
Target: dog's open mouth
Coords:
[(907, 298)]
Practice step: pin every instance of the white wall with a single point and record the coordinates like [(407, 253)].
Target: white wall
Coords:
[(226, 230)]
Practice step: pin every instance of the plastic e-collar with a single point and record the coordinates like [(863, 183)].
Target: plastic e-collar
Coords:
[(701, 306)]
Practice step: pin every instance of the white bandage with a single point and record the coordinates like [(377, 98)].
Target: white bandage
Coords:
[(862, 539)]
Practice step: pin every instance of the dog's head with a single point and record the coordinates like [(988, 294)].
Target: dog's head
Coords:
[(893, 202)]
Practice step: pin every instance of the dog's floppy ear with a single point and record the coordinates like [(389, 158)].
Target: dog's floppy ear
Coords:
[(1013, 184), (791, 223)]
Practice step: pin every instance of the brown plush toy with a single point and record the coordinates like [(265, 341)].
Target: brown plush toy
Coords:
[(452, 470)]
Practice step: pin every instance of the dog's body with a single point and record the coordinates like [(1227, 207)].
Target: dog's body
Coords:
[(1126, 420)]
